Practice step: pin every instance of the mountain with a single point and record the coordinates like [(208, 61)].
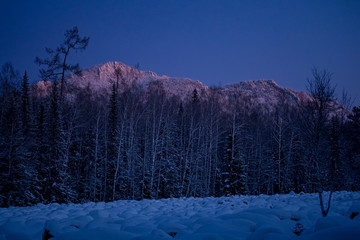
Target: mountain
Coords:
[(264, 94), (100, 79)]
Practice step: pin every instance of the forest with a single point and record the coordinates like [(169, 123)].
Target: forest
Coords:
[(140, 143)]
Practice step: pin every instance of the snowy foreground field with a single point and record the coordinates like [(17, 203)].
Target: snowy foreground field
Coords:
[(238, 217)]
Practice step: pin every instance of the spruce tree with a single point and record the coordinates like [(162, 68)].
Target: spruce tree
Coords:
[(40, 154), (111, 142), (10, 143), (60, 190), (25, 104)]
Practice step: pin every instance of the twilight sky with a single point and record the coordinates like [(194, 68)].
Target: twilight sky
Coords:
[(214, 41)]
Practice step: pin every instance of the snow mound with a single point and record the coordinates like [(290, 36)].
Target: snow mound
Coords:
[(292, 216)]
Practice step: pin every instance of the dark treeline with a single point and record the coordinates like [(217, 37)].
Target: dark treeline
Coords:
[(139, 144)]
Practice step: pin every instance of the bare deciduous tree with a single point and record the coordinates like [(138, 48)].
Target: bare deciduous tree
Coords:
[(323, 93)]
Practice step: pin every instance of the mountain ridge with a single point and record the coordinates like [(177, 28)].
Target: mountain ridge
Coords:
[(99, 79)]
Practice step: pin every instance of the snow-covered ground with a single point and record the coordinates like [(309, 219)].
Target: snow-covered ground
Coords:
[(238, 217)]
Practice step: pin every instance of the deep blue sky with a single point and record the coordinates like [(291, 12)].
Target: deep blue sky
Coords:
[(216, 42)]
